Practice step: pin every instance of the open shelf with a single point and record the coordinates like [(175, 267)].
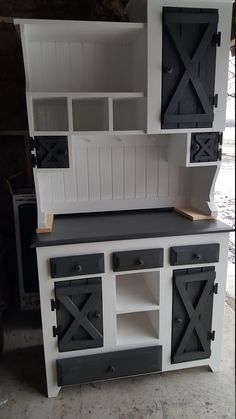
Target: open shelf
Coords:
[(137, 328), (90, 114), (129, 114), (137, 292), (50, 114)]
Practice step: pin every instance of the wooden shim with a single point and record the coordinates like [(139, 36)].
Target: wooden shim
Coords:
[(193, 214), (48, 225), (6, 19)]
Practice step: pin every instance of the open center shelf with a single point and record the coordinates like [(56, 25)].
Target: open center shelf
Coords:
[(138, 328), (137, 292)]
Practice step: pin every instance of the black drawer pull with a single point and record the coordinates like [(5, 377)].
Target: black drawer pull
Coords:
[(77, 268), (179, 321), (111, 368), (97, 315), (197, 256), (169, 70), (140, 262)]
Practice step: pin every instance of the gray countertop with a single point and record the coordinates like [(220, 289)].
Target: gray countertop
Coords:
[(97, 227)]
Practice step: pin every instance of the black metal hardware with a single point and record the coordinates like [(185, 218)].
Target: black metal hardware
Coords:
[(220, 138), (197, 256), (211, 335), (50, 152), (215, 288), (78, 268), (217, 39), (169, 70), (140, 262), (215, 100), (179, 321), (55, 305), (97, 315), (56, 331), (111, 368), (220, 154)]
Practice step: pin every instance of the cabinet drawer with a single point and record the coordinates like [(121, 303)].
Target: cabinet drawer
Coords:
[(77, 265), (107, 366), (137, 259), (186, 255)]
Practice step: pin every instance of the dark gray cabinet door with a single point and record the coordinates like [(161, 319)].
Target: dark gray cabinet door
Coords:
[(79, 313), (189, 57), (205, 147), (193, 291), (50, 152)]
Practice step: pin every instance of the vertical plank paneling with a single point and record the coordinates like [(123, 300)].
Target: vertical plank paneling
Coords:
[(45, 190), (89, 67), (163, 178), (49, 60), (82, 180), (76, 66), (63, 66), (174, 180), (140, 171), (152, 171), (105, 172), (70, 186), (35, 66), (58, 187), (117, 172), (94, 174), (129, 171)]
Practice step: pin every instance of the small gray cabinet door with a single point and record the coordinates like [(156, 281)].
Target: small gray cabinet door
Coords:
[(79, 313), (193, 291)]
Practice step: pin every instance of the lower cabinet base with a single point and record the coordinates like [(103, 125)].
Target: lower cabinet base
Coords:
[(108, 366)]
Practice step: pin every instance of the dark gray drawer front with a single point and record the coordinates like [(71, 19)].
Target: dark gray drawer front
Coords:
[(186, 255), (90, 368), (137, 259), (77, 265)]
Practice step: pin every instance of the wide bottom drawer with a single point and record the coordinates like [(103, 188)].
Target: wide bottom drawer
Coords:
[(110, 365)]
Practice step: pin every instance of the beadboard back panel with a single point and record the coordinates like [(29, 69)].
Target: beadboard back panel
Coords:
[(113, 173)]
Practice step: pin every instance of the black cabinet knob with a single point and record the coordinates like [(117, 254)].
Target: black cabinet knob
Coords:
[(62, 152), (169, 70), (195, 147), (197, 256), (77, 268), (97, 315), (178, 321), (111, 368), (140, 262)]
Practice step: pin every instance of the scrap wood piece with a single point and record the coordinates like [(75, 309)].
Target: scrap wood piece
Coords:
[(193, 214), (48, 225)]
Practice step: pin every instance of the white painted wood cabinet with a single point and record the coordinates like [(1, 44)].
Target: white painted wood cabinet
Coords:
[(128, 116)]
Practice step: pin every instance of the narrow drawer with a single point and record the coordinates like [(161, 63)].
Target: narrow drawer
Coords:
[(107, 366), (77, 265), (188, 255), (137, 259)]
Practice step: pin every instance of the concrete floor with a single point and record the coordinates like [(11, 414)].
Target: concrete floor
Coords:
[(187, 394)]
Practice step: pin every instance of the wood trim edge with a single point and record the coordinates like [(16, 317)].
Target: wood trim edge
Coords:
[(48, 225), (193, 215)]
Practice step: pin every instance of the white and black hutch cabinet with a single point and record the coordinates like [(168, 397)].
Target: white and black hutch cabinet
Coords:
[(126, 122)]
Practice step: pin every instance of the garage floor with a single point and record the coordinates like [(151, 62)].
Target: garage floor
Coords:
[(188, 394)]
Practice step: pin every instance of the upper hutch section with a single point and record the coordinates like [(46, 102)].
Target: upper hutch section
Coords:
[(165, 70)]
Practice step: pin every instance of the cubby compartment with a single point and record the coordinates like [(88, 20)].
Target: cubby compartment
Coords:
[(129, 114), (137, 292), (50, 114), (138, 328), (90, 114)]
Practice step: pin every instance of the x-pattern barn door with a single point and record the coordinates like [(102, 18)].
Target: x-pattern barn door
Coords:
[(188, 78), (78, 306), (193, 291)]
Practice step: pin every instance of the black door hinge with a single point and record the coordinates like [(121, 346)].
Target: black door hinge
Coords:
[(220, 154), (217, 39), (211, 335), (215, 289), (55, 305), (56, 331), (33, 152), (220, 138), (215, 100)]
